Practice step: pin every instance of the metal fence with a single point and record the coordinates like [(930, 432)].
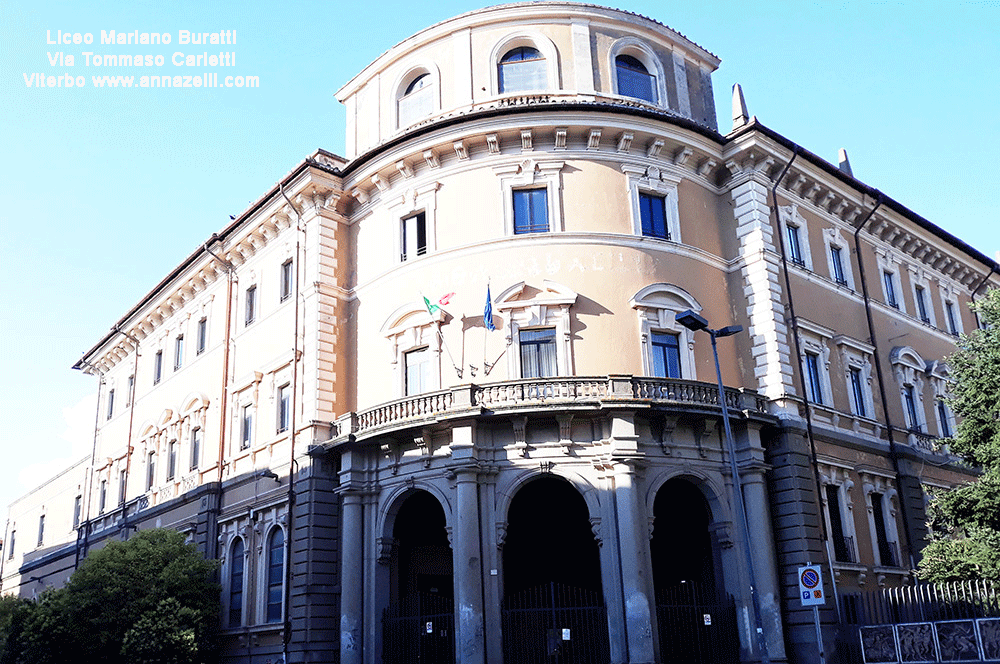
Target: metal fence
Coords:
[(695, 626), (419, 629), (948, 622), (555, 624)]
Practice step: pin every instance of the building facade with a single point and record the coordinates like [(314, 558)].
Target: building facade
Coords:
[(432, 400)]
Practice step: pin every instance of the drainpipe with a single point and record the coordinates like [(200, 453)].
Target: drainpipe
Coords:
[(797, 369), (213, 546), (85, 524), (131, 417), (972, 297), (893, 451), (287, 637)]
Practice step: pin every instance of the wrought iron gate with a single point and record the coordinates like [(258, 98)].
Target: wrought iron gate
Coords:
[(419, 628), (695, 628), (555, 624)]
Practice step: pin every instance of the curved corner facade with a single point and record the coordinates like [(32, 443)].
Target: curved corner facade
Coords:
[(434, 402)]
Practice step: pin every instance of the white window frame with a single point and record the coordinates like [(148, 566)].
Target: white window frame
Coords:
[(832, 238), (549, 308), (642, 52), (286, 288), (531, 174), (409, 328), (872, 484), (533, 39), (658, 182), (251, 305), (815, 340), (940, 377), (857, 355), (909, 368), (789, 215), (403, 81), (832, 474), (178, 351), (949, 294), (228, 565), (283, 396), (264, 569), (201, 340), (889, 263), (246, 430), (657, 306), (412, 202), (919, 278)]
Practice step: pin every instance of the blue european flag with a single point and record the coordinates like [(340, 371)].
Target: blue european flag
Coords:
[(488, 312)]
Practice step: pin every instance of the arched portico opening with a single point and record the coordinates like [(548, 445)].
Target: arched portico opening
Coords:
[(696, 620), (418, 624), (553, 607)]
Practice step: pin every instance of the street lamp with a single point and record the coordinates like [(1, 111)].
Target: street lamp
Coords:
[(694, 322)]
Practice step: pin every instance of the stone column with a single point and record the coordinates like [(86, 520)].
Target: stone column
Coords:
[(633, 535), (351, 579), (764, 558), (470, 646)]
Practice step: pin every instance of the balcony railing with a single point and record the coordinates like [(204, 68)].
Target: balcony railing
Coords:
[(526, 394)]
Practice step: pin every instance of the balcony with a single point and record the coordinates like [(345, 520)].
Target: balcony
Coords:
[(577, 393)]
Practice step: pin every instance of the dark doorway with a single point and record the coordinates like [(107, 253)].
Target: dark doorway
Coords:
[(553, 609), (418, 624), (697, 622)]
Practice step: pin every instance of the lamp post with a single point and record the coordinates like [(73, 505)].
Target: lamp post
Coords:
[(694, 322)]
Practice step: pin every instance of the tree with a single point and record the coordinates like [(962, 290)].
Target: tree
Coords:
[(151, 598), (965, 521)]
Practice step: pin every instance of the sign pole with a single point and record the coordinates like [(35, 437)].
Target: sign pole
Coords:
[(811, 593), (819, 635)]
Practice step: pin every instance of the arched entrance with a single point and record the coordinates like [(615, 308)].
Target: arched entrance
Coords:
[(553, 608), (418, 625), (696, 620)]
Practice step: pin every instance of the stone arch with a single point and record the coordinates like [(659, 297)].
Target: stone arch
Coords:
[(395, 497), (642, 52), (403, 80), (587, 491)]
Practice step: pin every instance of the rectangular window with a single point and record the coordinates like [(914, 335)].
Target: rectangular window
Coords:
[(284, 407), (10, 549), (837, 260), (911, 408), (418, 370), (102, 501), (794, 247), (195, 448), (111, 403), (653, 214), (171, 460), (666, 355), (942, 409), (157, 367), (178, 351), (922, 304), (413, 238), (886, 552), (250, 306), (77, 510), (890, 289), (812, 370), (41, 530), (858, 392), (131, 391), (843, 546), (246, 427), (949, 312), (538, 353), (150, 470), (122, 480), (202, 336), (531, 211), (287, 277)]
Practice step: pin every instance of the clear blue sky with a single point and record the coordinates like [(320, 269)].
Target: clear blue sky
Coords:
[(102, 192)]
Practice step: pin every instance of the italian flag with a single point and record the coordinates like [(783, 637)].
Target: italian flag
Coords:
[(434, 308)]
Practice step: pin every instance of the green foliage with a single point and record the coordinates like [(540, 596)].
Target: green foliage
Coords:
[(148, 599), (965, 521)]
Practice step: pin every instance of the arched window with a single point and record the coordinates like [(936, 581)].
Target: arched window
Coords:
[(417, 100), (634, 80), (522, 69), (275, 574), (236, 583)]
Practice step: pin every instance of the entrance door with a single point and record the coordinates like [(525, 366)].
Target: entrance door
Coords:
[(553, 609), (697, 622), (419, 623)]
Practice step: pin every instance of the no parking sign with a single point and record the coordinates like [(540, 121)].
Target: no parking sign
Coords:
[(811, 585)]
